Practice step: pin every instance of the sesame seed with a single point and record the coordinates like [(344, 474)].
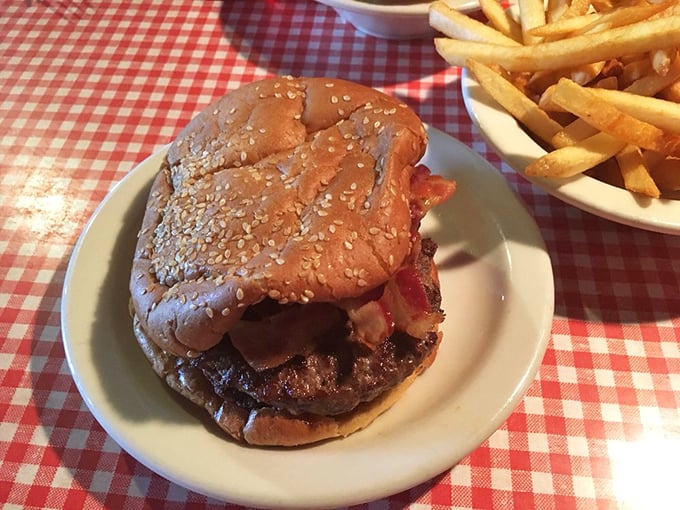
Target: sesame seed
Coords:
[(361, 283), (239, 294), (209, 312), (225, 311)]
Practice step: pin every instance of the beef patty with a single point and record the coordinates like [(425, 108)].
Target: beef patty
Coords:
[(337, 376)]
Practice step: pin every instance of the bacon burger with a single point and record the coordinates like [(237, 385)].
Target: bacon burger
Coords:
[(279, 279)]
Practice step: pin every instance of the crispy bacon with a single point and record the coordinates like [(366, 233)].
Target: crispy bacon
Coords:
[(401, 304), (404, 305), (428, 190)]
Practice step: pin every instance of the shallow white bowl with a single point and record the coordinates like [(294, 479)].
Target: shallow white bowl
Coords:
[(516, 148), (398, 21)]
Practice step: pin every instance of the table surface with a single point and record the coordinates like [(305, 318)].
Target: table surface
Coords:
[(90, 88)]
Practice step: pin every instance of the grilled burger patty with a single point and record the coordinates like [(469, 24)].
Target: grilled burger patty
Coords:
[(334, 378)]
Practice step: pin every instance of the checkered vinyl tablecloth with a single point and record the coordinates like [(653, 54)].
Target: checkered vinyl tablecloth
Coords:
[(89, 88)]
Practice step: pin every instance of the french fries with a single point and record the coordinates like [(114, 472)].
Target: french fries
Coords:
[(582, 49), (596, 82)]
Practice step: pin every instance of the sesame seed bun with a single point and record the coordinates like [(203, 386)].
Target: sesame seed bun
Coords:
[(292, 189), (286, 195)]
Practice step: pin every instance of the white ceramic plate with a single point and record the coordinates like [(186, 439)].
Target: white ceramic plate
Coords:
[(397, 21), (518, 149), (497, 288)]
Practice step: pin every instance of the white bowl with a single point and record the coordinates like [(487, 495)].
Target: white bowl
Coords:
[(396, 21), (516, 148)]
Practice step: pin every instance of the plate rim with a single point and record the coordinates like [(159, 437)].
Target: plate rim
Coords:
[(273, 500), (614, 204)]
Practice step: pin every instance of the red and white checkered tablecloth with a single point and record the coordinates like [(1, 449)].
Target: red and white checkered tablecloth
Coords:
[(89, 88)]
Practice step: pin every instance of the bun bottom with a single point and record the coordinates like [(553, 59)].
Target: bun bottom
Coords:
[(266, 426)]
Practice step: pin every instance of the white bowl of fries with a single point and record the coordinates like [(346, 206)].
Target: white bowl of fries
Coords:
[(392, 19), (586, 105)]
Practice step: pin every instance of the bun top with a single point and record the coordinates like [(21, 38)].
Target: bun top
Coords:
[(292, 189)]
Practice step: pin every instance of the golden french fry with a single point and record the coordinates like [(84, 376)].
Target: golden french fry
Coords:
[(540, 81), (531, 15), (501, 19), (636, 177), (573, 133), (584, 103), (555, 9), (635, 70), (579, 129), (587, 72), (457, 25), (564, 27), (575, 159), (658, 112), (514, 101), (652, 84), (583, 49), (622, 16), (582, 75), (576, 8)]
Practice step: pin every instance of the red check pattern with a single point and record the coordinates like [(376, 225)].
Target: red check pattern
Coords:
[(88, 88)]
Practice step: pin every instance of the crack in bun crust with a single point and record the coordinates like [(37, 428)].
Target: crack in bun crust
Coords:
[(266, 193)]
